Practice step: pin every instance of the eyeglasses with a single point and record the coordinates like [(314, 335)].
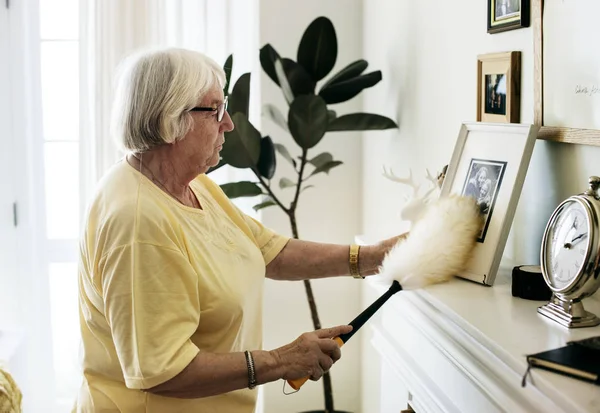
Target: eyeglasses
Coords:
[(220, 109)]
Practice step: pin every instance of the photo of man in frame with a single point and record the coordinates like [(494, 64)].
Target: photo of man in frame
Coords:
[(483, 182)]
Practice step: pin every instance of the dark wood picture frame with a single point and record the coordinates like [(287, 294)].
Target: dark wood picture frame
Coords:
[(551, 133), (509, 65), (510, 21)]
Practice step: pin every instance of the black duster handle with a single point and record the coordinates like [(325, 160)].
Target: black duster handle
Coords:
[(363, 317)]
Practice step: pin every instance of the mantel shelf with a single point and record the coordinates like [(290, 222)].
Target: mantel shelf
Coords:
[(481, 334)]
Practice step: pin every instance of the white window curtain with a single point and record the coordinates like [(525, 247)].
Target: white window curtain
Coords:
[(112, 29), (26, 277), (109, 30)]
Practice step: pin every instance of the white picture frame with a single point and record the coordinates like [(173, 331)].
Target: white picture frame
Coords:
[(490, 162)]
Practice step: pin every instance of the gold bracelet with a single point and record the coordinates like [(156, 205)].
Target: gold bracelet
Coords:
[(353, 261)]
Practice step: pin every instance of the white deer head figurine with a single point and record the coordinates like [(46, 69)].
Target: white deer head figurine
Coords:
[(416, 204)]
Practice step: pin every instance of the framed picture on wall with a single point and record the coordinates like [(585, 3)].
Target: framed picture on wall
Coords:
[(499, 87), (506, 15), (489, 164)]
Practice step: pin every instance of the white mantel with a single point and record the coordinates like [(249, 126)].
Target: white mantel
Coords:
[(461, 347)]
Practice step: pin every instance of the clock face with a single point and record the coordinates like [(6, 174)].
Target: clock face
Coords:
[(567, 245)]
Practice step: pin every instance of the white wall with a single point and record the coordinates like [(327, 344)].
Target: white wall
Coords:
[(427, 51), (330, 212)]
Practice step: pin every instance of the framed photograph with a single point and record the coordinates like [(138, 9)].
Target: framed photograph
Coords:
[(506, 15), (499, 87), (489, 163)]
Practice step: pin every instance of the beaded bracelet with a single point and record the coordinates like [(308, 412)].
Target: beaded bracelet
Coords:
[(251, 372)]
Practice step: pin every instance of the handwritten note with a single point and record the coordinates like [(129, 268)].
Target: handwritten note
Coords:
[(571, 64), (587, 90)]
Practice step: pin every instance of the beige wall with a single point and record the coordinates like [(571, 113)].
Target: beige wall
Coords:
[(428, 50), (330, 212)]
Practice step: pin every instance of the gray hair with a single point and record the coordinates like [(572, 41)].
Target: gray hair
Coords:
[(155, 91)]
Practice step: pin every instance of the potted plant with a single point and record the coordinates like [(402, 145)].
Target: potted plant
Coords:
[(309, 118)]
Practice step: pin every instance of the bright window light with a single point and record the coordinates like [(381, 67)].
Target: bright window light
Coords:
[(59, 31), (62, 190), (60, 89)]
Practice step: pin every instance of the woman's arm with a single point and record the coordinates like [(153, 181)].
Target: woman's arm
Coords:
[(301, 260), (210, 374)]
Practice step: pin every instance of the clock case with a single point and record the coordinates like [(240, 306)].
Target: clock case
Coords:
[(565, 306)]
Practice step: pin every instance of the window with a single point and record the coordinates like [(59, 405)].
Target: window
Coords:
[(66, 61), (59, 60)]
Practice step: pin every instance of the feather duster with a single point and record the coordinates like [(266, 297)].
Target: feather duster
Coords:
[(437, 248)]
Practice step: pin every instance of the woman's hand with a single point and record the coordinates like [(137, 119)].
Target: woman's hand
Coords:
[(312, 354), (371, 257), (388, 244)]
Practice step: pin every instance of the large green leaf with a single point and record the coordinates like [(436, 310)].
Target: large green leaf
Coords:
[(241, 188), (239, 100), (321, 159), (317, 51), (325, 167), (284, 152), (264, 204), (266, 161), (268, 55), (361, 121), (284, 84), (242, 145), (346, 90), (273, 113), (307, 118), (352, 70), (331, 115), (227, 67), (300, 80)]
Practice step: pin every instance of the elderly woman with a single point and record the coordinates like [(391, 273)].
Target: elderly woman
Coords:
[(171, 272)]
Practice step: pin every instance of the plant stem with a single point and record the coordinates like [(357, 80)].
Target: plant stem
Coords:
[(300, 173), (327, 387), (271, 193), (291, 213)]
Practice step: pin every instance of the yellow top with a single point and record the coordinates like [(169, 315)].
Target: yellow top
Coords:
[(159, 282)]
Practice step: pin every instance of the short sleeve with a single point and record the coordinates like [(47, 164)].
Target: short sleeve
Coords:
[(269, 242), (152, 306)]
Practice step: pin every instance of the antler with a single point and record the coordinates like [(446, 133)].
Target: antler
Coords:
[(431, 178), (406, 181)]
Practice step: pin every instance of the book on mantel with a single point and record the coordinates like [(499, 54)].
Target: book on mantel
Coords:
[(579, 359)]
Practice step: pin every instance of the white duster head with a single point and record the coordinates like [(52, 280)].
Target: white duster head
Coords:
[(438, 246)]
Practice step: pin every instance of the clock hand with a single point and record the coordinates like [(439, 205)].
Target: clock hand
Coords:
[(571, 244), (578, 237)]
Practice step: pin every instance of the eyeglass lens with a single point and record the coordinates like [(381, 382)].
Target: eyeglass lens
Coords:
[(221, 109)]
